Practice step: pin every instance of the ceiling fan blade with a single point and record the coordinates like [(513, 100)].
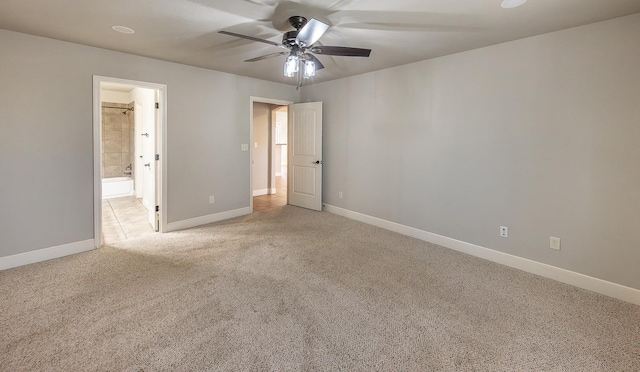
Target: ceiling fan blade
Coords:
[(311, 32), (388, 26), (341, 51), (405, 21), (250, 38), (319, 65), (267, 56)]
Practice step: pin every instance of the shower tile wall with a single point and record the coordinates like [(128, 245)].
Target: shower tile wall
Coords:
[(117, 140)]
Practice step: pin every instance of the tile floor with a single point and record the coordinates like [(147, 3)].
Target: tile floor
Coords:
[(279, 199), (124, 218)]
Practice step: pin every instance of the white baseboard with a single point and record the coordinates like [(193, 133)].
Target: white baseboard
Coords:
[(44, 254), (589, 283), (260, 192), (203, 220), (264, 192)]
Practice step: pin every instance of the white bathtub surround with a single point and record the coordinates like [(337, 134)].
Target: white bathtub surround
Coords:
[(116, 187)]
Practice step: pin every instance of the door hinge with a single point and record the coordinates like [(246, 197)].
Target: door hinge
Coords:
[(157, 208), (157, 156), (157, 105)]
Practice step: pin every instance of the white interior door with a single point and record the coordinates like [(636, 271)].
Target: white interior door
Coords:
[(305, 155), (148, 154), (157, 124)]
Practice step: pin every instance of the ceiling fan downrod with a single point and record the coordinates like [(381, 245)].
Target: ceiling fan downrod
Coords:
[(297, 22)]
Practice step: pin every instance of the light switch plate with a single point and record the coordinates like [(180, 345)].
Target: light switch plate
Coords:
[(554, 243), (244, 147)]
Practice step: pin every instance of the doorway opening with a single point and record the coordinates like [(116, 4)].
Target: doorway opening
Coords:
[(269, 153), (303, 172), (128, 146), (269, 156)]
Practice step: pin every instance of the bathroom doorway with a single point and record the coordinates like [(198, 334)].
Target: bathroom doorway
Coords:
[(128, 167)]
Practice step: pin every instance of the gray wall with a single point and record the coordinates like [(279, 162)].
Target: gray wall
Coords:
[(541, 135), (46, 139)]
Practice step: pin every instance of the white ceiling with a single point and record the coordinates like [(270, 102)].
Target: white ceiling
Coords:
[(398, 31)]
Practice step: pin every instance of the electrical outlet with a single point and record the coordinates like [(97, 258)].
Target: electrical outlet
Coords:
[(211, 199), (340, 194), (554, 243), (504, 231)]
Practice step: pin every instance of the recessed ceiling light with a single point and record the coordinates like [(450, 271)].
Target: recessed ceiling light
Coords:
[(123, 29), (512, 3)]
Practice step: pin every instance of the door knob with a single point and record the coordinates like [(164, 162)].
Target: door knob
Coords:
[(317, 162), (148, 165)]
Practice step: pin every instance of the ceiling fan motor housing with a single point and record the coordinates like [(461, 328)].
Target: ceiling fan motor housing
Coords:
[(289, 38)]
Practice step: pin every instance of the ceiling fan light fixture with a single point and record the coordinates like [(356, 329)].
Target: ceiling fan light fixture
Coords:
[(508, 4), (309, 69), (291, 65)]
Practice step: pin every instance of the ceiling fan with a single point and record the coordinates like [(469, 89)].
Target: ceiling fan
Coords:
[(300, 46)]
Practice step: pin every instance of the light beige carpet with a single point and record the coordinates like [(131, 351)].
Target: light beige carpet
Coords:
[(292, 289)]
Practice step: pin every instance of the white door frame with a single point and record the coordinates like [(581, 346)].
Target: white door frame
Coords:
[(253, 99), (161, 138)]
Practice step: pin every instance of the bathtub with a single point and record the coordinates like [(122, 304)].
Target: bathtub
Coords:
[(116, 187)]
